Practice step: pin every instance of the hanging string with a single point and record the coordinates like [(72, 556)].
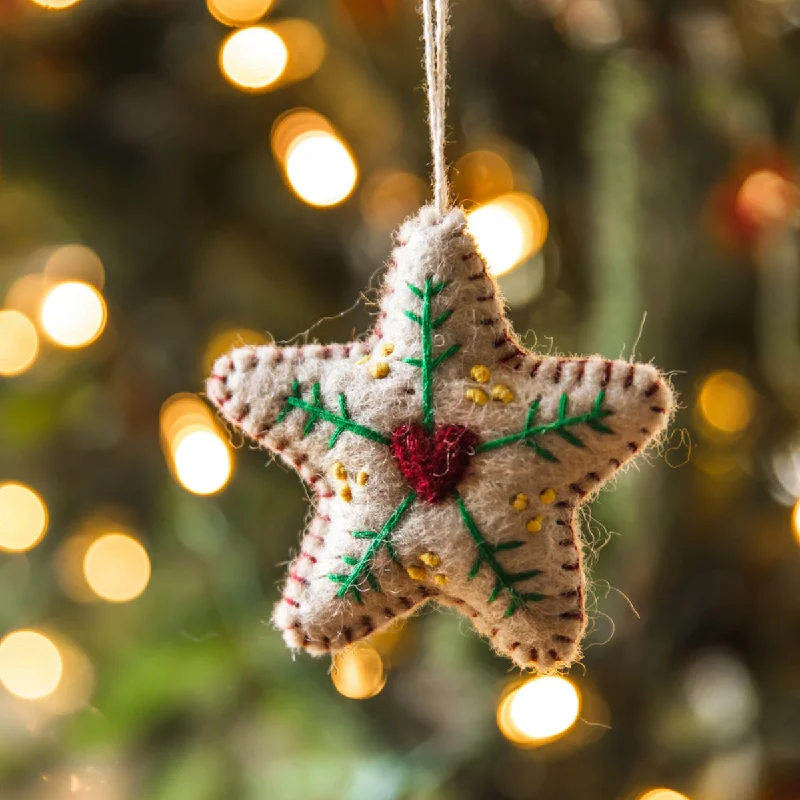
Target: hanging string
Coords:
[(434, 32)]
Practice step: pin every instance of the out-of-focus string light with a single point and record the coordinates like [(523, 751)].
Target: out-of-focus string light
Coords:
[(73, 314), (200, 458), (592, 24), (30, 664), (116, 567), (539, 710), (238, 12), (508, 230), (726, 402), (23, 518), (75, 262), (389, 197), (766, 198), (19, 342), (55, 5), (75, 688), (253, 58), (306, 49), (481, 175), (662, 794), (223, 341), (316, 162), (357, 672)]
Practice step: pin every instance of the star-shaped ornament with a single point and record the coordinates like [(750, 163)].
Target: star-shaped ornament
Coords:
[(448, 462)]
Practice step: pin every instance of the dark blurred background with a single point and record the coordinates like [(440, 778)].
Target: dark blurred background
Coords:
[(175, 181)]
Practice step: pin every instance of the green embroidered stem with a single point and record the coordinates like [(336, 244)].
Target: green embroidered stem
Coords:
[(504, 581), (317, 413), (427, 363), (362, 567), (560, 426)]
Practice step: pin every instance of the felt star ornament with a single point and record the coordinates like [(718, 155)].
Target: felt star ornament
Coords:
[(448, 462)]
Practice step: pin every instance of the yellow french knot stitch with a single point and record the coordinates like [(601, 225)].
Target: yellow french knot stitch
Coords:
[(547, 496), (502, 393), (379, 370), (430, 559), (440, 579), (346, 494), (362, 478), (416, 573), (520, 502), (534, 525), (478, 396), (363, 359), (480, 373), (338, 471), (387, 349)]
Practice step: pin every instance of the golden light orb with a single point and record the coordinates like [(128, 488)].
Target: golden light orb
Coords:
[(75, 262), (30, 664), (357, 672), (73, 314), (253, 58), (539, 710), (23, 518), (508, 230), (766, 197), (19, 342), (202, 461), (306, 46), (727, 402), (320, 169), (55, 5), (481, 175), (662, 794), (389, 197), (238, 12), (796, 521), (116, 567)]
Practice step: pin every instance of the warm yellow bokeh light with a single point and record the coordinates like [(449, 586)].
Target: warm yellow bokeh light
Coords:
[(389, 197), (662, 794), (253, 58), (796, 521), (292, 126), (238, 12), (55, 5), (508, 230), (320, 169), (116, 567), (30, 665), (75, 262), (202, 460), (73, 314), (306, 47), (767, 198), (727, 401), (23, 518), (358, 672), (19, 342), (481, 175), (539, 710)]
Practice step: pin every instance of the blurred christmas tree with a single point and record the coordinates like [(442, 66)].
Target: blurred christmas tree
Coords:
[(178, 178)]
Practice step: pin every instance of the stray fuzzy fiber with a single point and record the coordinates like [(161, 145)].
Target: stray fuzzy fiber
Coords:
[(448, 462)]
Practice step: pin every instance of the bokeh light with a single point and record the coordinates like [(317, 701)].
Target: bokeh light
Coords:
[(73, 314), (389, 197), (23, 517), (19, 342), (306, 48), (116, 567), (320, 169), (30, 664), (508, 230), (662, 794), (74, 690), (238, 12), (767, 198), (55, 5), (75, 262), (481, 175), (591, 24), (203, 462), (358, 672), (796, 521), (253, 58), (726, 402), (228, 338), (539, 710)]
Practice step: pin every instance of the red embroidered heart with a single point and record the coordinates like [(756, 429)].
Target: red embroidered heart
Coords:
[(433, 464)]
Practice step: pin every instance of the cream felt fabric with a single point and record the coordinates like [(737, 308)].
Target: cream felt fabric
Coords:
[(504, 545)]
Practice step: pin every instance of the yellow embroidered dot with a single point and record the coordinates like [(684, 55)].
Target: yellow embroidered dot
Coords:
[(520, 502), (478, 396), (363, 360), (345, 493), (416, 573), (547, 496), (380, 369), (440, 579), (502, 393), (338, 471), (362, 478), (430, 559), (387, 349), (534, 525), (480, 373)]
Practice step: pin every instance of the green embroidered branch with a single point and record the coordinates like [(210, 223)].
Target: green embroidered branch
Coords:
[(560, 426), (318, 413), (362, 567), (504, 581), (428, 363)]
